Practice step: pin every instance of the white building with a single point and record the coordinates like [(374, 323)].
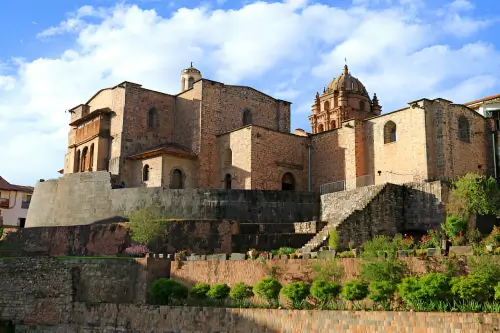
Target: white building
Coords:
[(14, 203), (488, 107)]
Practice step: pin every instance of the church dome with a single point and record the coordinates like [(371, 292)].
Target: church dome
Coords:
[(348, 82), (191, 70)]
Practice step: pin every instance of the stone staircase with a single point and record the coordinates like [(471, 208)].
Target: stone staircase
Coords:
[(337, 207)]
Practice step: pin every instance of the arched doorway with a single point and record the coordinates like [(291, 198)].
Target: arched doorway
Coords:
[(227, 182), (145, 173), (177, 179), (83, 160), (287, 182)]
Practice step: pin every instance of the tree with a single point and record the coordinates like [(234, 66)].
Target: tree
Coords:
[(474, 194), (147, 225)]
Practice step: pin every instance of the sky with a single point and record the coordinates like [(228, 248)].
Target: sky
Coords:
[(58, 53)]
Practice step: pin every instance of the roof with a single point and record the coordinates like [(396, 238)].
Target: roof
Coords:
[(482, 99), (169, 148), (348, 82), (5, 185)]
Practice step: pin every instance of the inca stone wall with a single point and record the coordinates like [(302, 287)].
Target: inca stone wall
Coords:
[(202, 237), (101, 318), (84, 198)]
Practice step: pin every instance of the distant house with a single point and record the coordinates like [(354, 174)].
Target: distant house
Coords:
[(14, 203)]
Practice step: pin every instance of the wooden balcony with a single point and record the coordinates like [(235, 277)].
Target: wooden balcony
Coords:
[(4, 203)]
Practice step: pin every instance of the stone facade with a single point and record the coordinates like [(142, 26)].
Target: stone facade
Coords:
[(87, 197), (218, 136)]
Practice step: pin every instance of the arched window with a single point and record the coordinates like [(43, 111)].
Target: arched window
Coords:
[(336, 100), (287, 182), (390, 132), (176, 180), (228, 158), (333, 124), (326, 106), (83, 160), (76, 167), (190, 83), (321, 128), (361, 105), (152, 118), (463, 129), (227, 182), (247, 117), (91, 157), (145, 173)]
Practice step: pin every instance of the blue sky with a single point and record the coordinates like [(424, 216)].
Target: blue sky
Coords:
[(60, 52)]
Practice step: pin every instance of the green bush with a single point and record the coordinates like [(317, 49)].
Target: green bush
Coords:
[(147, 225), (241, 291), (487, 266), (333, 239), (345, 254), (325, 291), (328, 270), (430, 287), (379, 243), (268, 289), (164, 290), (199, 291), (383, 270), (219, 291), (473, 193), (296, 292), (497, 292), (474, 287), (354, 290), (381, 291), (285, 250), (454, 226)]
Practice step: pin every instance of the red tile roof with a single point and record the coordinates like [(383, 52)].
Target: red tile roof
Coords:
[(482, 99), (5, 185)]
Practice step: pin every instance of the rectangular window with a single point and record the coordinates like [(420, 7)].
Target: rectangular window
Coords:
[(26, 197)]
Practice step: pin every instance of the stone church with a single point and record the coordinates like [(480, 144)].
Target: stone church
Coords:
[(213, 135)]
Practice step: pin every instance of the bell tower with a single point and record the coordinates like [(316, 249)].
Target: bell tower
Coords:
[(188, 77)]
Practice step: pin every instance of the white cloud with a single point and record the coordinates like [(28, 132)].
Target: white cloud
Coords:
[(291, 49), (460, 5)]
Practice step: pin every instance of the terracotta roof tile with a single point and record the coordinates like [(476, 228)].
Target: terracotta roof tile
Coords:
[(482, 99)]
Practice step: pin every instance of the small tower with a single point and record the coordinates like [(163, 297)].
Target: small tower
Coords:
[(376, 108), (189, 76)]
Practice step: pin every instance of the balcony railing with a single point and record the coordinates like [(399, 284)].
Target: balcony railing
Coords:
[(332, 187), (4, 203), (25, 204)]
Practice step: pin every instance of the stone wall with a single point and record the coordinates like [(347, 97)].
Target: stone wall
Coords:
[(43, 289), (252, 271), (129, 318), (202, 237), (84, 198)]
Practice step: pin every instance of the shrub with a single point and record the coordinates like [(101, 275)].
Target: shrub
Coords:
[(454, 226), (325, 291), (474, 237), (269, 289), (355, 290), (199, 291), (296, 292), (431, 240), (473, 193), (285, 250), (241, 291), (383, 270), (219, 291), (403, 243), (487, 266), (345, 254), (328, 270), (147, 225), (474, 287), (493, 238), (430, 287), (333, 240), (164, 290), (381, 291), (139, 250), (497, 292), (459, 240), (379, 243)]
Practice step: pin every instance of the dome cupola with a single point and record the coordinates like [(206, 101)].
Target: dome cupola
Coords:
[(348, 83), (189, 76)]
